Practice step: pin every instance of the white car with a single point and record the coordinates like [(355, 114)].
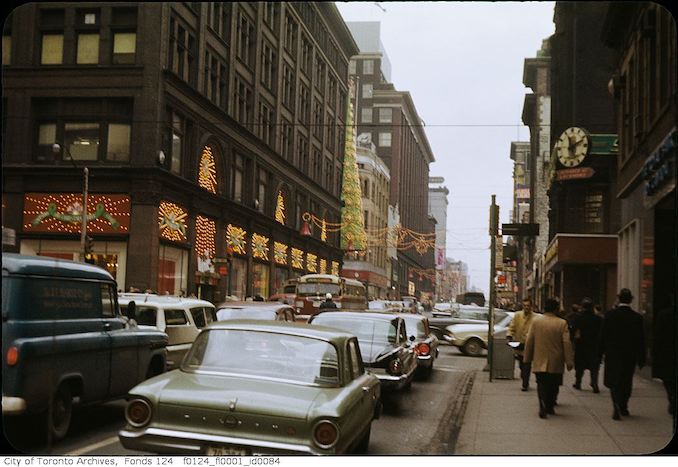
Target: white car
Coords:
[(180, 318), (471, 339)]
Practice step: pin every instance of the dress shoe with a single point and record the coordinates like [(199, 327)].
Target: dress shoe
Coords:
[(596, 390), (624, 412), (577, 385), (542, 413), (615, 415), (523, 389), (550, 411)]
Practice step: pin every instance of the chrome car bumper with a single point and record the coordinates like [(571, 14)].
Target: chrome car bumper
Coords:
[(13, 405), (395, 383), (163, 441), (424, 361)]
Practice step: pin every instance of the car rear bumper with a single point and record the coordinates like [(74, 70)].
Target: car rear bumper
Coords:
[(424, 361), (13, 405), (163, 441), (395, 383)]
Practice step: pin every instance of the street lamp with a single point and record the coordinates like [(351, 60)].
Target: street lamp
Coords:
[(56, 148)]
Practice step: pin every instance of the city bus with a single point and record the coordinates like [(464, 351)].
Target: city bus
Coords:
[(348, 294)]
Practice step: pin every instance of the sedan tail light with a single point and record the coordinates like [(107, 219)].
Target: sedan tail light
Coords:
[(395, 367), (325, 434), (138, 413), (12, 356), (422, 349)]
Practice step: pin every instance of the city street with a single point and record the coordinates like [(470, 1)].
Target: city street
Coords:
[(423, 420)]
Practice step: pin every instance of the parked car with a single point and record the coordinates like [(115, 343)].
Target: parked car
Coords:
[(252, 387), (64, 339), (385, 305), (180, 318), (462, 314), (471, 339), (273, 311), (425, 343), (384, 345)]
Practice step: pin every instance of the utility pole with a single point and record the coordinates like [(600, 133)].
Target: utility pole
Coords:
[(494, 231)]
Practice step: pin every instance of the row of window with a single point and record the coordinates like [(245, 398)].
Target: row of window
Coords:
[(385, 115)]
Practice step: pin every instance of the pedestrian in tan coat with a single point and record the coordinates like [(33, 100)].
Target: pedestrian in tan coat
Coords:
[(549, 350)]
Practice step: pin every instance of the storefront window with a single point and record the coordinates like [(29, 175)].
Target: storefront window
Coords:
[(260, 273), (172, 270), (279, 278), (238, 277)]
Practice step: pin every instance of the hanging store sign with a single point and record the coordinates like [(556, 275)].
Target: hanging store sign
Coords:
[(659, 171), (62, 213), (577, 173)]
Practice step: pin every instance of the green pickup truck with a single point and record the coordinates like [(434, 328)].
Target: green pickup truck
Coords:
[(64, 340)]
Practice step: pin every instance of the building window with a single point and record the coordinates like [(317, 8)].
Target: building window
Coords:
[(6, 50), (245, 40), (290, 34), (304, 104), (306, 55), (317, 164), (368, 67), (82, 140), (330, 133), (266, 124), (288, 87), (268, 66), (262, 189), (52, 49), (366, 115), (319, 75), (286, 141), (220, 19), (302, 151), (351, 67), (332, 92), (328, 175), (118, 143), (238, 173), (367, 91), (270, 14), (386, 115), (243, 103), (124, 48), (176, 135), (182, 52), (88, 49), (385, 140), (317, 119)]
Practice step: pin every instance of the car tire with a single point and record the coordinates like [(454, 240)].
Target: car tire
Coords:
[(59, 418), (364, 443), (426, 372), (472, 347)]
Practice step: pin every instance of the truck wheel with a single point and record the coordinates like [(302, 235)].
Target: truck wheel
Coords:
[(472, 347), (62, 410)]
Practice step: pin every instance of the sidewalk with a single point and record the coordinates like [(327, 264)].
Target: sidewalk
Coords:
[(500, 419)]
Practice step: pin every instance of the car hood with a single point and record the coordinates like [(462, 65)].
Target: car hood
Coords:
[(250, 396), (472, 328), (375, 351)]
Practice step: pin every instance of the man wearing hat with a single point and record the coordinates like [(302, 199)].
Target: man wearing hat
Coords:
[(585, 330), (328, 303), (623, 344)]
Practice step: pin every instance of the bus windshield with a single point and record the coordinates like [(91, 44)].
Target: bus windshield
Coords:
[(317, 289)]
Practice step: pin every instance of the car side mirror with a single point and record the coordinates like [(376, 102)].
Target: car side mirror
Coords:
[(132, 310)]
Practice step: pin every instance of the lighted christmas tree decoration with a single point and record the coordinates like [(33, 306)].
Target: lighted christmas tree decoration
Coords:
[(352, 227), (207, 176), (280, 209)]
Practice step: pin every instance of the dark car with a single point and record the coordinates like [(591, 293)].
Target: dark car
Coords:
[(383, 341), (463, 314), (64, 339), (271, 311), (425, 343)]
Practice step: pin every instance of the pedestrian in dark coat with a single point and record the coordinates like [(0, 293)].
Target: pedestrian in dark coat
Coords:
[(586, 328), (664, 352), (328, 304), (623, 344)]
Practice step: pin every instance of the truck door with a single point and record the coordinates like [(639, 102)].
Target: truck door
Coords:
[(124, 345)]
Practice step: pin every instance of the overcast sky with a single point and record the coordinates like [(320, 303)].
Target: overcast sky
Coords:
[(462, 62)]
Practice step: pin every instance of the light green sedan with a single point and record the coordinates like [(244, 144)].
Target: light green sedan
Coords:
[(250, 387)]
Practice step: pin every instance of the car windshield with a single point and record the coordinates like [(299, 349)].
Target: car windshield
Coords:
[(243, 313), (365, 329), (415, 327), (145, 315), (269, 355), (317, 289)]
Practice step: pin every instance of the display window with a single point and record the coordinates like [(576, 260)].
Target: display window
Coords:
[(260, 278), (172, 270)]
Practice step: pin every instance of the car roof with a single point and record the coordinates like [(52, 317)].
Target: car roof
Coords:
[(253, 305), (47, 266), (362, 314), (159, 300), (286, 327)]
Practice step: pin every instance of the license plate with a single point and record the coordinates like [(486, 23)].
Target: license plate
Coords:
[(227, 451)]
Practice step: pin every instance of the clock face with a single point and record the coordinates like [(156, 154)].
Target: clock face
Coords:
[(573, 146)]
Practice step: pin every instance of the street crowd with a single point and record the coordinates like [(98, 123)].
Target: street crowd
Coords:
[(549, 342)]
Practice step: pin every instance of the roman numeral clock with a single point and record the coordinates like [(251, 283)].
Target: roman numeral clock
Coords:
[(573, 146)]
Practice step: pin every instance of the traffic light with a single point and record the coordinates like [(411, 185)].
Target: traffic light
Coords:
[(89, 245)]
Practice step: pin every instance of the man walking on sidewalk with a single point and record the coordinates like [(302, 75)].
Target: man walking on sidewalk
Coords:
[(517, 332), (623, 344), (586, 329), (549, 349)]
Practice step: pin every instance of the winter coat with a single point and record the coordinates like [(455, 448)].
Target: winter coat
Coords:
[(520, 327), (586, 328), (623, 344), (327, 304), (548, 345)]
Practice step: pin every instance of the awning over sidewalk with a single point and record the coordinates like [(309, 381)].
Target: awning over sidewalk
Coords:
[(580, 249)]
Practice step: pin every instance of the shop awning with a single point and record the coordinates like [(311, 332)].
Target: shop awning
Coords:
[(580, 249)]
